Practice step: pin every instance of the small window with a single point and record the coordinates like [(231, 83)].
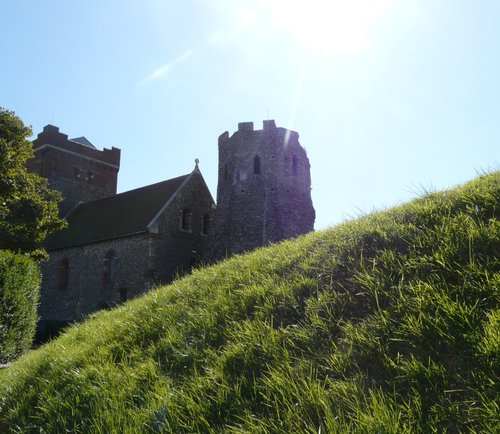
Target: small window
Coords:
[(295, 165), (205, 224), (63, 274), (225, 172), (256, 164), (109, 267), (186, 219)]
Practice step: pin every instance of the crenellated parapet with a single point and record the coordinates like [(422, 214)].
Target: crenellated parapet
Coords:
[(75, 167)]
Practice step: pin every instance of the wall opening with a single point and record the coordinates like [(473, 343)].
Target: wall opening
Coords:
[(186, 220), (63, 274), (205, 224), (225, 172), (256, 164), (109, 267)]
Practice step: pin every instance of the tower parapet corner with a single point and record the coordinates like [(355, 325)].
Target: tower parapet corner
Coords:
[(269, 124), (112, 154), (50, 128), (223, 137), (245, 126), (291, 137)]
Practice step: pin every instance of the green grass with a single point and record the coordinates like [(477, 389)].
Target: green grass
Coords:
[(386, 324)]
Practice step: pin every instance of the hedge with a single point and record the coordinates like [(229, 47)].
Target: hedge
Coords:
[(19, 298)]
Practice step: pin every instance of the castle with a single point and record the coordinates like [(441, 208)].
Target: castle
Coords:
[(118, 246)]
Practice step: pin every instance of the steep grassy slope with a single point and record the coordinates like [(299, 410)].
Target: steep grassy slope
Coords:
[(388, 324)]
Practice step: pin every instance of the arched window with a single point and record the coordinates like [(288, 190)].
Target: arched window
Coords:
[(186, 219), (295, 165), (109, 267), (63, 274), (256, 164)]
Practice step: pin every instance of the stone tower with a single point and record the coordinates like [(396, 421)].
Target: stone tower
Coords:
[(75, 167), (263, 190)]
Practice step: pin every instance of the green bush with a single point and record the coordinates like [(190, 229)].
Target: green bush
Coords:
[(19, 297)]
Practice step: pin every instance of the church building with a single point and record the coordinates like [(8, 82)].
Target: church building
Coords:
[(117, 246)]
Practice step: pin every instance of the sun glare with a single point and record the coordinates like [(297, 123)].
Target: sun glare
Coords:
[(327, 25)]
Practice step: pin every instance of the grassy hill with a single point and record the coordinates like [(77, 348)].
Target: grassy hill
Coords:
[(386, 324)]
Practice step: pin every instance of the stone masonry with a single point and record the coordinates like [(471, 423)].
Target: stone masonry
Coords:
[(263, 191), (75, 167), (139, 261), (118, 246)]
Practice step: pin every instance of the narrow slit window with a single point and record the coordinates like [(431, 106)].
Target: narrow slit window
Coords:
[(186, 219), (205, 224), (63, 274), (256, 164), (109, 267)]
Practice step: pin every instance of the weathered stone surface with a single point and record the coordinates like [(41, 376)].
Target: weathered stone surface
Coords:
[(263, 192), (140, 261), (263, 196)]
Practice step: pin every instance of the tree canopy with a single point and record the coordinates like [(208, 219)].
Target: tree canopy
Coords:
[(28, 207)]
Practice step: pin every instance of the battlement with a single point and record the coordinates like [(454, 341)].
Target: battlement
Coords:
[(269, 124), (261, 141), (52, 137), (245, 126), (224, 137), (75, 167)]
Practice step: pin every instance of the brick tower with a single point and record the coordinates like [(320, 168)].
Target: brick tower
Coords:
[(75, 167), (263, 190)]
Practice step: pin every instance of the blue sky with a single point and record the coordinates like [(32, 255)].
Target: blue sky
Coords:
[(389, 96)]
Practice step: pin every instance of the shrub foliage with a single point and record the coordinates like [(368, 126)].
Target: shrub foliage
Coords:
[(386, 324), (19, 296), (28, 207)]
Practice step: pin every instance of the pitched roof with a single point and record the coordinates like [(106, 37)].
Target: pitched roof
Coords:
[(116, 216)]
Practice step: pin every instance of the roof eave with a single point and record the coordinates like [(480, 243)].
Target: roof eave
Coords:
[(145, 231)]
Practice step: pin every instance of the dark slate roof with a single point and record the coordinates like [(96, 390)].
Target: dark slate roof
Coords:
[(116, 216)]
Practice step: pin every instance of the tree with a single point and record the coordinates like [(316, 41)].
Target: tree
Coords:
[(29, 209)]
